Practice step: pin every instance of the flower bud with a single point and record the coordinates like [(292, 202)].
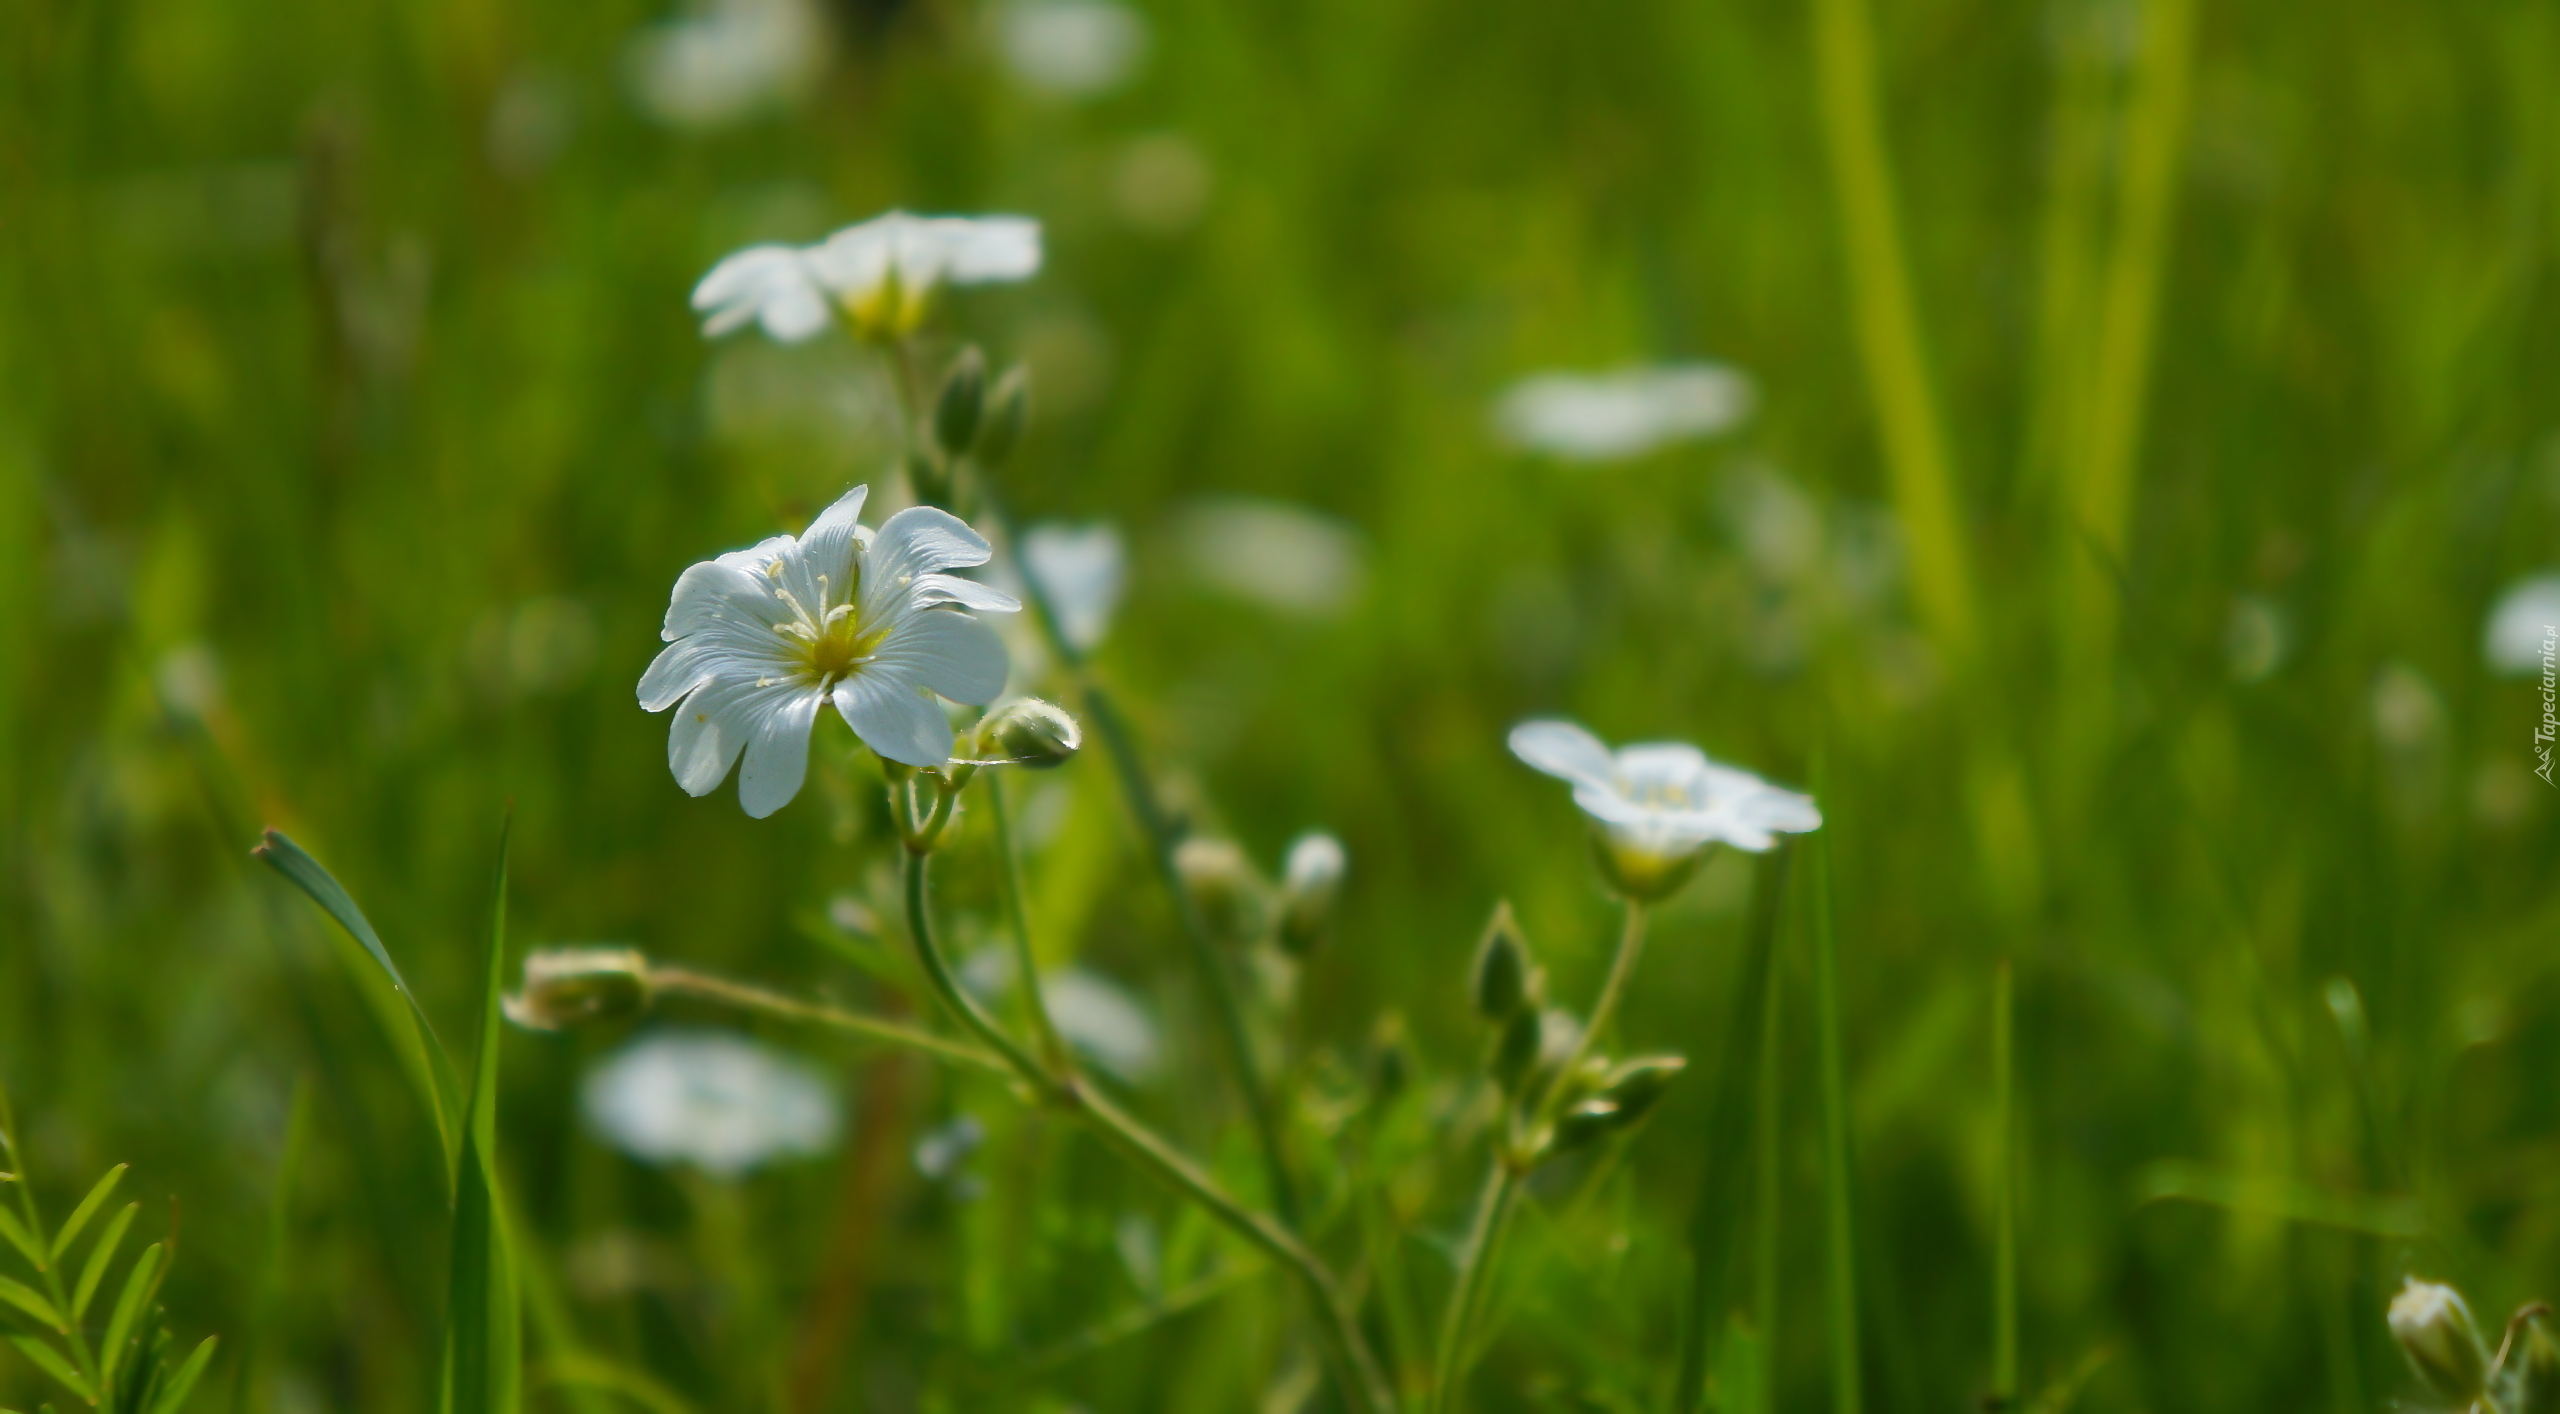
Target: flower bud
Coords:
[(565, 987), (1635, 1086), (1390, 1064), (1030, 733), (1310, 884), (2434, 1326), (961, 406), (1501, 980), (1008, 411), (930, 480), (1584, 1123), (1223, 887), (1515, 1054)]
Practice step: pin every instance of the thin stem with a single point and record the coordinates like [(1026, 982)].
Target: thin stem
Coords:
[(1493, 1207), (1603, 1011), (1053, 1047), (1336, 1322), (1162, 839), (683, 981)]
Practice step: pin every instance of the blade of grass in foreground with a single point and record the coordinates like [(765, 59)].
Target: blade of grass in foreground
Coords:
[(421, 1054), (2004, 1180), (483, 1342), (1847, 1394)]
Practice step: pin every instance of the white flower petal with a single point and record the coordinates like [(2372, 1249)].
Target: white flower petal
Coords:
[(708, 733), (1563, 749), (980, 249), (717, 649), (895, 718), (778, 752), (827, 547), (1082, 570), (911, 544), (771, 284), (717, 592), (1673, 764), (949, 652), (1773, 809), (968, 593)]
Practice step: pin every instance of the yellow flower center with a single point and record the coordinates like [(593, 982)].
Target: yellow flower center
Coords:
[(828, 637)]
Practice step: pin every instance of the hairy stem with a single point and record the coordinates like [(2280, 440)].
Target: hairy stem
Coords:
[(683, 981), (1053, 1047), (1493, 1208)]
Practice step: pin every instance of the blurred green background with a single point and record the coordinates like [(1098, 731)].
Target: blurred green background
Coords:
[(353, 427)]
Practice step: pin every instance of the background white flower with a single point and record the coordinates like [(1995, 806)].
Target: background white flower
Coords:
[(1296, 560), (730, 61), (2513, 638), (1076, 48), (1094, 1014), (719, 1102), (882, 273), (1082, 569), (759, 639), (1601, 417), (1663, 799)]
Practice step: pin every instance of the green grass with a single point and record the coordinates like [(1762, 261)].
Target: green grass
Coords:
[(2132, 316)]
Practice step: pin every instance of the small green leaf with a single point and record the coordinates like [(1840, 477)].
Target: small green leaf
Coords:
[(99, 1256), (19, 1238), (138, 1286), (421, 1053), (27, 1299), (173, 1395), (483, 1333), (88, 1209), (50, 1360)]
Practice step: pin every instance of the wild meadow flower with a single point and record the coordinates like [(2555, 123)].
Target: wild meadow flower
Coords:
[(2520, 625), (880, 275), (759, 639), (2434, 1325), (730, 61), (1073, 48), (1605, 417), (718, 1102), (1082, 569), (1660, 804)]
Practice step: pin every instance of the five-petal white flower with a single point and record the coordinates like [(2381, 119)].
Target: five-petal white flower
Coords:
[(1662, 802), (721, 1103), (881, 273), (759, 639)]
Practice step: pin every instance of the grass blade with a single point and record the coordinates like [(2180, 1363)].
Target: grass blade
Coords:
[(421, 1053), (88, 1209), (99, 1257), (2004, 1279), (254, 1343), (50, 1360), (483, 1338), (138, 1286), (173, 1395), (1847, 1391), (578, 1371)]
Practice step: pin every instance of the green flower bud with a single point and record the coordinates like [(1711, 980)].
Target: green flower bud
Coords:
[(1390, 1064), (1635, 1086), (960, 408), (930, 479), (1584, 1124), (565, 987), (1501, 980), (1515, 1054), (1310, 884), (1641, 872), (1028, 733), (2434, 1326), (1223, 887), (1008, 411), (2532, 1363)]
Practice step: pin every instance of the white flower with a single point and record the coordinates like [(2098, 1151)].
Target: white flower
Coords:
[(2520, 625), (1659, 803), (882, 274), (1298, 561), (1605, 417), (719, 1102), (1082, 570), (732, 60), (759, 639), (1075, 48)]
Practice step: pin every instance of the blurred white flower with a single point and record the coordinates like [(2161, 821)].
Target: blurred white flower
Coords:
[(1310, 883), (1659, 804), (729, 61), (1075, 48), (759, 639), (721, 1103), (941, 1152), (1286, 557), (1604, 417), (881, 273), (2408, 717), (2519, 623), (1082, 569)]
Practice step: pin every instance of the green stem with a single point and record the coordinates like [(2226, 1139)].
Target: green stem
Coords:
[(1162, 840), (2004, 1299), (1053, 1047), (1493, 1208), (686, 982), (1336, 1323), (1621, 967)]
